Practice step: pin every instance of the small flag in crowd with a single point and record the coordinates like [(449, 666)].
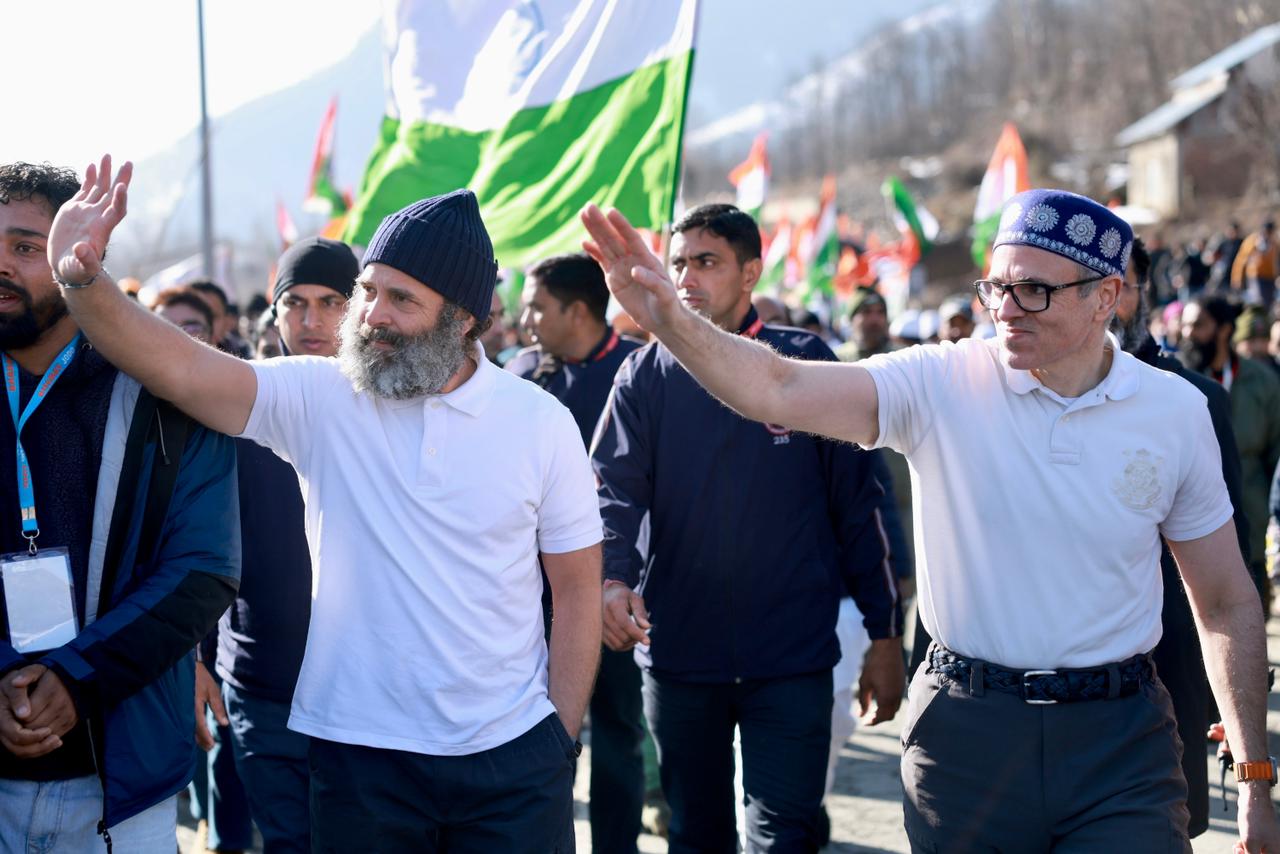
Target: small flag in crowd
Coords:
[(322, 195), (751, 177), (774, 275), (917, 226), (284, 225), (538, 109), (1006, 176), (824, 249)]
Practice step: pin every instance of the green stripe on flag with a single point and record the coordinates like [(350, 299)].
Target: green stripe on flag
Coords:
[(616, 145)]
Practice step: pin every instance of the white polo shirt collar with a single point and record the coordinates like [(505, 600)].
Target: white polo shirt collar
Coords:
[(473, 396)]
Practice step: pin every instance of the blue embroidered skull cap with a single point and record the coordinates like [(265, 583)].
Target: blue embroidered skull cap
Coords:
[(1069, 225)]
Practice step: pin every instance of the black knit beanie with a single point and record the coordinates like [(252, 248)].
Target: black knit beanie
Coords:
[(317, 261), (442, 243)]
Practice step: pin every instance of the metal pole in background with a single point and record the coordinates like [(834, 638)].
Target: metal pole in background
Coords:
[(206, 180)]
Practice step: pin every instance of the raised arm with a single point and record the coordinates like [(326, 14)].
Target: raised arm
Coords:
[(212, 387), (826, 398)]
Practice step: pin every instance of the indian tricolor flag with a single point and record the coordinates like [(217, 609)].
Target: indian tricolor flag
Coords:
[(751, 177), (824, 245), (1006, 176), (538, 108)]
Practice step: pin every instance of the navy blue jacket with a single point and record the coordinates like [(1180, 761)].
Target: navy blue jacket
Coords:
[(756, 531), (130, 670), (263, 635), (583, 387)]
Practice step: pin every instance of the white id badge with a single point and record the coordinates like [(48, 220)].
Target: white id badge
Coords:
[(40, 599)]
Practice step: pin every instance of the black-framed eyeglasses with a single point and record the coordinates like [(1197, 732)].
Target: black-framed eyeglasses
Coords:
[(1031, 297)]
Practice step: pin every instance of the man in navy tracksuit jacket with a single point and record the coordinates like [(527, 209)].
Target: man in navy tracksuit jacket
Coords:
[(96, 734), (575, 358), (756, 533)]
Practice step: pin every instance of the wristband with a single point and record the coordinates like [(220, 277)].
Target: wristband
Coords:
[(75, 286), (1262, 770)]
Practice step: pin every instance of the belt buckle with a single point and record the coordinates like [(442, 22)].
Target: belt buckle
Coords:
[(1026, 686)]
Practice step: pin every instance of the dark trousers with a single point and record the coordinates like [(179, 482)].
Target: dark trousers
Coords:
[(617, 755), (517, 797), (785, 727), (272, 761), (984, 771)]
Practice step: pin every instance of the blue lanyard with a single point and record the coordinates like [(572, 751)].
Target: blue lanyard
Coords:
[(26, 492)]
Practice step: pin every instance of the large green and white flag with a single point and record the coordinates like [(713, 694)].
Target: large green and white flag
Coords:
[(539, 107)]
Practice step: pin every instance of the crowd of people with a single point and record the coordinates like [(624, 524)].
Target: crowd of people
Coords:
[(358, 565)]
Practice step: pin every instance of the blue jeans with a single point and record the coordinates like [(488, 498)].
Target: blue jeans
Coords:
[(63, 815), (785, 726), (272, 761)]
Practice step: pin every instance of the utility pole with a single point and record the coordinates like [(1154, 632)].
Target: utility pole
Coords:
[(206, 174)]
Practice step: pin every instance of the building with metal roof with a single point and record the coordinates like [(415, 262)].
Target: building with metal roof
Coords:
[(1191, 147)]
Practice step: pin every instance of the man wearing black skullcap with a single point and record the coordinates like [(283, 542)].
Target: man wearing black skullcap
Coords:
[(261, 638), (433, 482), (314, 280)]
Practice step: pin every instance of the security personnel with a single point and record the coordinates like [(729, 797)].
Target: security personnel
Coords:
[(753, 528), (574, 357), (576, 352)]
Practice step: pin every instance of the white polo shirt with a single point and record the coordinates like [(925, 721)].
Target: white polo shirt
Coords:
[(425, 519), (1038, 518)]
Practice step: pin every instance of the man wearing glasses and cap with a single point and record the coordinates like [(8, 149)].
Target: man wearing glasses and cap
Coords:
[(1046, 489)]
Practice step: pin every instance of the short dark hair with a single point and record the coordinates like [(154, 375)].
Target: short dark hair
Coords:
[(22, 181), (185, 297), (574, 277), (207, 286), (1222, 310), (1141, 261), (726, 221)]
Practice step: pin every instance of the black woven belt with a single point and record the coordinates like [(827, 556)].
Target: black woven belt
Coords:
[(1043, 687)]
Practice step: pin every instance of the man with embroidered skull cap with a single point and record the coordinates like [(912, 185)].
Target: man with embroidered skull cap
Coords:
[(1037, 721)]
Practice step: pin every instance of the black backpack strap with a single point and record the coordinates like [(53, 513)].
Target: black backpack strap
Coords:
[(172, 430), (156, 420)]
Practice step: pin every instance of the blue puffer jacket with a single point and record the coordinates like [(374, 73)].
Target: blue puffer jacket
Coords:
[(130, 670)]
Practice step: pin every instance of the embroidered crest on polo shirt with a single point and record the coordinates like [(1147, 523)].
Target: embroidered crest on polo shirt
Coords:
[(1138, 486)]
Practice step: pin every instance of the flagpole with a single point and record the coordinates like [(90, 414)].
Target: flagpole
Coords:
[(206, 181)]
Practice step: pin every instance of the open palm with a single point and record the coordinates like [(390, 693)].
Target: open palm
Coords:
[(82, 227), (635, 275)]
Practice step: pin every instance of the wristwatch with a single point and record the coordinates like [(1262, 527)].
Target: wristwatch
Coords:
[(1248, 772)]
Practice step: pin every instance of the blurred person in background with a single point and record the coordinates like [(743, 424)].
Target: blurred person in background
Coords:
[(1251, 339), (772, 311), (868, 327), (226, 334), (185, 309), (1208, 323), (266, 338), (956, 318), (1253, 274)]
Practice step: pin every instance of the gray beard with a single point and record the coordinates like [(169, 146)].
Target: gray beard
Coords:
[(417, 366)]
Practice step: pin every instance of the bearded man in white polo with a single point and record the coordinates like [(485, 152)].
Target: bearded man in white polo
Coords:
[(433, 483), (1046, 464)]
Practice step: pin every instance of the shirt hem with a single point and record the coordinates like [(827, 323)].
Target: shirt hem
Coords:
[(507, 733)]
